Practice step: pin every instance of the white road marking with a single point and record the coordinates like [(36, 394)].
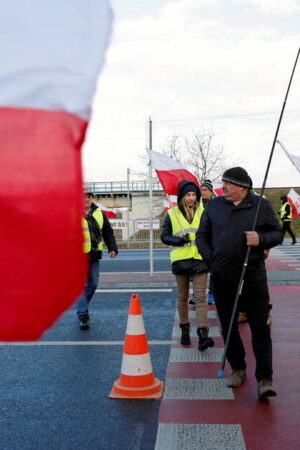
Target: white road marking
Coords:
[(126, 273), (62, 343), (135, 290)]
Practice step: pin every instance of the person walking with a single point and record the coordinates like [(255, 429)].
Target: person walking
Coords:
[(222, 240), (97, 229), (207, 193), (178, 231), (285, 213)]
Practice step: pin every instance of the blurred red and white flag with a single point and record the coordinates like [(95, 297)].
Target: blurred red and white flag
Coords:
[(294, 200), (218, 190), (109, 212), (170, 172), (51, 55), (170, 203)]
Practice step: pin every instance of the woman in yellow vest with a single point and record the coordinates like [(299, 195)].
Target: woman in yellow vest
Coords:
[(178, 231)]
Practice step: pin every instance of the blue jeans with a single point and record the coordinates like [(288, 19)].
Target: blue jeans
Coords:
[(90, 288)]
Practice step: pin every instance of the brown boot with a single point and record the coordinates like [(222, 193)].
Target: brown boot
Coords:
[(236, 379), (265, 389)]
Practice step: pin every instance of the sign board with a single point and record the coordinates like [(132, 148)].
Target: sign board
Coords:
[(118, 224), (144, 224)]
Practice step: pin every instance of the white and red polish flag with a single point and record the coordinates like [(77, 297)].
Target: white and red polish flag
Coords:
[(109, 212), (294, 201), (218, 190), (51, 55), (170, 203), (170, 172)]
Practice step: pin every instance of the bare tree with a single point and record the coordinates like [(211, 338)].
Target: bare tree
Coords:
[(199, 153), (174, 148)]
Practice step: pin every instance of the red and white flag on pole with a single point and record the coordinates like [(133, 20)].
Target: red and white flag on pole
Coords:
[(109, 212), (170, 172), (52, 53), (294, 200)]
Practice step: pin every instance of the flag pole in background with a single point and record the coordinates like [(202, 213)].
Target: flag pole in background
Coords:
[(150, 203), (241, 282)]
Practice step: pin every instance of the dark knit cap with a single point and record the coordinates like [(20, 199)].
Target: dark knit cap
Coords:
[(208, 184), (238, 176), (186, 186)]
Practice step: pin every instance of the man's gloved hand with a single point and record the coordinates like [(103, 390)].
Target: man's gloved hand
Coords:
[(186, 238)]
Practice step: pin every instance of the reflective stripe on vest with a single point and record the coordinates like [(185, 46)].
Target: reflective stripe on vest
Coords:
[(282, 211), (97, 214), (86, 237), (180, 226)]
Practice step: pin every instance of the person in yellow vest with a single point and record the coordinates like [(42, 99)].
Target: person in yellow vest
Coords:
[(178, 231), (96, 229), (285, 213)]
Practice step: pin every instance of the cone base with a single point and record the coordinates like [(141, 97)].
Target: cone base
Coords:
[(155, 390)]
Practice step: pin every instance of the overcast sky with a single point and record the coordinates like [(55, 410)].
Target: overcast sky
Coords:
[(189, 64)]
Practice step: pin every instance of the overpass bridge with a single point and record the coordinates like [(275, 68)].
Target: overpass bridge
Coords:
[(131, 200), (121, 187)]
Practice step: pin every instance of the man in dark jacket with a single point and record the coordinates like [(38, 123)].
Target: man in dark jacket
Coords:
[(99, 230), (222, 239)]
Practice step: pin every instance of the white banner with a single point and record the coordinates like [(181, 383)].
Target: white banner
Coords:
[(144, 224)]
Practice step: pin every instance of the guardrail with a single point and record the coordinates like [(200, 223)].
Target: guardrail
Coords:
[(110, 187)]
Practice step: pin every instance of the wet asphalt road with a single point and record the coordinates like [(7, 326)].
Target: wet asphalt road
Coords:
[(55, 395)]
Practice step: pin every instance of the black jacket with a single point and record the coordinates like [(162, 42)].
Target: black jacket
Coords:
[(186, 266), (106, 234), (221, 238)]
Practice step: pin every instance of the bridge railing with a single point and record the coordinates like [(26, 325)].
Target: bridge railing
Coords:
[(110, 187)]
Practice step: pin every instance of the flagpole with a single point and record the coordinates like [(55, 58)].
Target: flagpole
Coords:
[(150, 203), (128, 203), (242, 277)]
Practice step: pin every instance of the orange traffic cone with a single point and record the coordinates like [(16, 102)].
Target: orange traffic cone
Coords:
[(137, 379)]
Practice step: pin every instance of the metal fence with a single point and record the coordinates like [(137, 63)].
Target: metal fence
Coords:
[(110, 187), (138, 230)]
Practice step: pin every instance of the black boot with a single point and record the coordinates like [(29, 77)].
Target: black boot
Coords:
[(84, 321), (185, 333), (204, 340)]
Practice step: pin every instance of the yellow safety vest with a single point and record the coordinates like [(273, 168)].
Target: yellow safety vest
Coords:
[(282, 211), (181, 226), (86, 237), (97, 214)]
